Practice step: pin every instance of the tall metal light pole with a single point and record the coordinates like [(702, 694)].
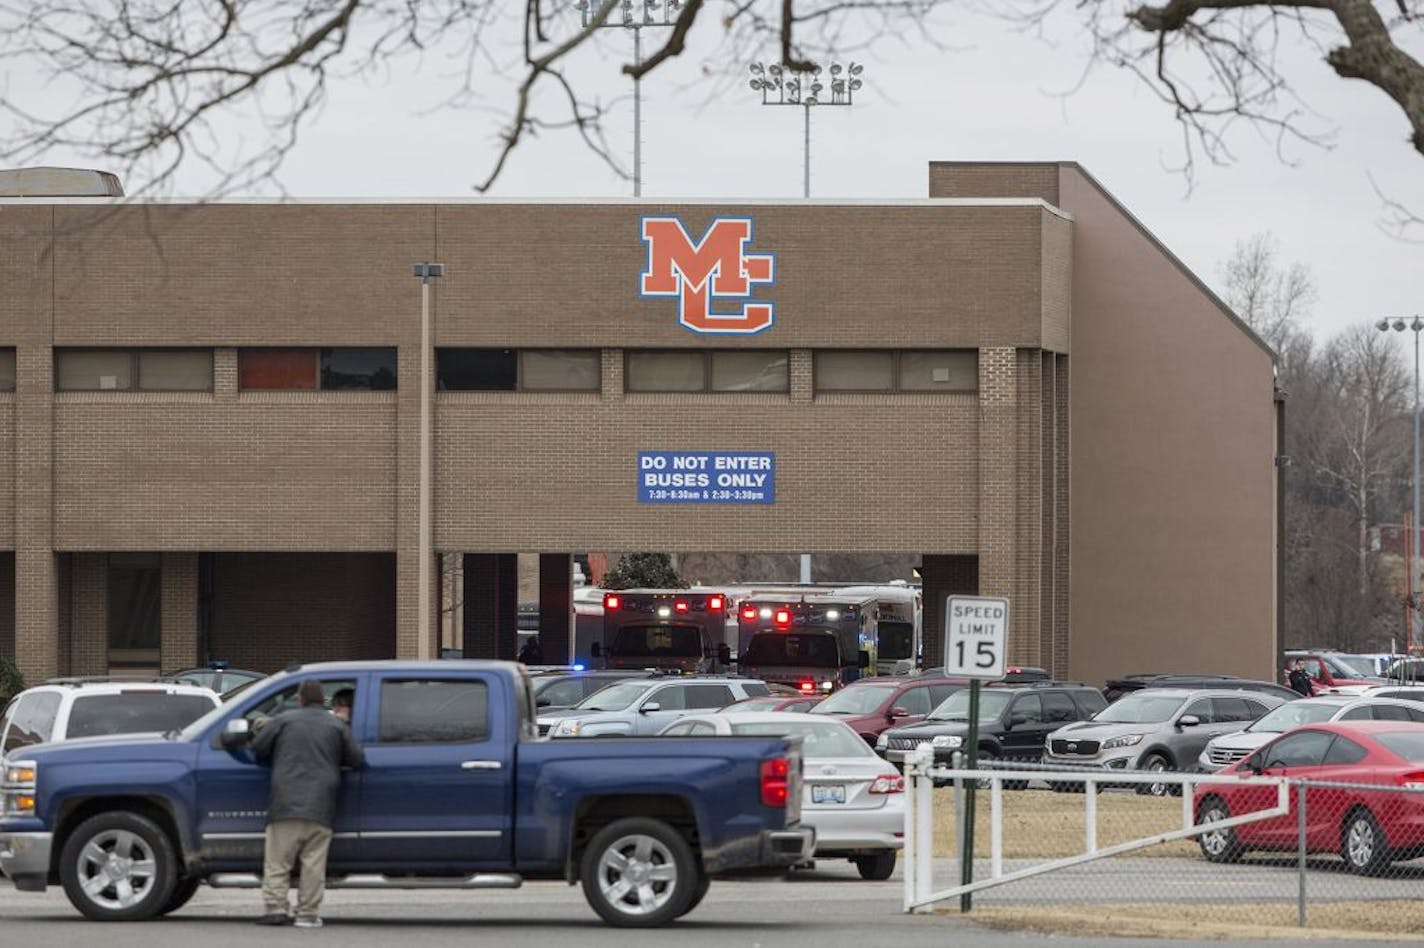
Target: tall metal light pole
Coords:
[(780, 86), (425, 272), (637, 16), (1399, 325)]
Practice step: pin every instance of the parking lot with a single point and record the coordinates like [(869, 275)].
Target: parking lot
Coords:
[(829, 907)]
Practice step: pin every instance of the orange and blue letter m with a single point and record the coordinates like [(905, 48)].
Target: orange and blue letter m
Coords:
[(716, 268)]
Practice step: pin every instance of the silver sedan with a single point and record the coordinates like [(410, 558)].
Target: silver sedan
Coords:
[(853, 799)]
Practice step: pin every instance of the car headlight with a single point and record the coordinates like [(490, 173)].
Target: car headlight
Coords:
[(567, 728), (883, 741), (827, 685), (19, 795), (20, 773), (947, 740), (1127, 740)]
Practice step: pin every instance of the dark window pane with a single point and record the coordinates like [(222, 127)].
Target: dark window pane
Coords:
[(673, 698), (7, 370), (1031, 707), (897, 640), (427, 712), (669, 641), (93, 370), (778, 648), (135, 713), (476, 370), (945, 370), (1344, 751), (671, 371), (276, 369), (750, 370), (134, 594), (368, 369), (854, 371), (709, 696), (559, 370), (756, 689), (1057, 706), (915, 701), (1231, 709), (1301, 749)]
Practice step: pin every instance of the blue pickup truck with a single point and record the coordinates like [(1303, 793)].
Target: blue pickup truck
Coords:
[(457, 791)]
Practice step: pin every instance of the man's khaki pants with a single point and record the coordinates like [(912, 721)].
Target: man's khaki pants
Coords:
[(287, 842)]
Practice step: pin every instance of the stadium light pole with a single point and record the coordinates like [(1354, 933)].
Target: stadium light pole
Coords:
[(1399, 325), (425, 272), (778, 85), (637, 17)]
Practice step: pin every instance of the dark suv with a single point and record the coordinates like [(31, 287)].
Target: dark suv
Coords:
[(1014, 721)]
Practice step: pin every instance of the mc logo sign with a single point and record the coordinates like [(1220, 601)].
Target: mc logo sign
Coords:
[(714, 270)]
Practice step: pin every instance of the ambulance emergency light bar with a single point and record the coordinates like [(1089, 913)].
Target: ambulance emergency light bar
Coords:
[(664, 604), (784, 614)]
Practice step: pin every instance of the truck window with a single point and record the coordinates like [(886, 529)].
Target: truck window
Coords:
[(671, 641), (1057, 706), (427, 711), (286, 699), (32, 720)]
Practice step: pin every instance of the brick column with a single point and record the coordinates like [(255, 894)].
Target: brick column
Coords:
[(36, 570), (611, 363), (1027, 613), (802, 372), (89, 614), (943, 576), (1061, 518), (556, 606), (224, 374), (178, 646)]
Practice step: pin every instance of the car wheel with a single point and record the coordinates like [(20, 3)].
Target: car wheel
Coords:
[(1218, 845), (876, 868), (1155, 763), (704, 882), (1362, 844), (639, 873), (118, 867), (183, 892)]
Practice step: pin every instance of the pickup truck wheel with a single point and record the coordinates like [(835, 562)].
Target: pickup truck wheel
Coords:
[(704, 882), (118, 867), (639, 873), (876, 868)]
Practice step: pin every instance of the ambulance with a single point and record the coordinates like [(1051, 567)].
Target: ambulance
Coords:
[(815, 642), (899, 643), (675, 629)]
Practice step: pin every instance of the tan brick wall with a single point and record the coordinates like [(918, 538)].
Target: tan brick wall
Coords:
[(7, 606), (179, 623), (89, 614), (1026, 616), (1062, 524), (988, 179), (7, 470), (273, 610)]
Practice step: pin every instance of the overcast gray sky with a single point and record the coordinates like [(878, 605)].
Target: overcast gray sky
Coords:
[(994, 94)]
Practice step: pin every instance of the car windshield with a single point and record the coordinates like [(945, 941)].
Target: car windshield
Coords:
[(860, 699), (615, 697), (956, 706), (1141, 708), (1361, 665), (1407, 744), (662, 641), (818, 740), (1294, 714), (799, 649), (1339, 668), (134, 713)]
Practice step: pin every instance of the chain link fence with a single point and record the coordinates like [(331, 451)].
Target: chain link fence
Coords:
[(1338, 856)]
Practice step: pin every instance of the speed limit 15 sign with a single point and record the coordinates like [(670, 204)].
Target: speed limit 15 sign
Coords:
[(976, 629)]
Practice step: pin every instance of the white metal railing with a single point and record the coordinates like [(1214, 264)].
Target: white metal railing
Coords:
[(921, 774)]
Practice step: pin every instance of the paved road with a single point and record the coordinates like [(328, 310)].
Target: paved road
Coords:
[(828, 908)]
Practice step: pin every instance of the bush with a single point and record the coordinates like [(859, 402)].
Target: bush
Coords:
[(11, 681), (643, 571)]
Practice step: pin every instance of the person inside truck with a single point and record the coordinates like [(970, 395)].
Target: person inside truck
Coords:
[(341, 704)]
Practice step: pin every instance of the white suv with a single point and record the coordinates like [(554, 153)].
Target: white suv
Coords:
[(64, 711)]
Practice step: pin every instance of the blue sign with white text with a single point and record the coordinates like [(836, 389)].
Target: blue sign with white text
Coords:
[(706, 477)]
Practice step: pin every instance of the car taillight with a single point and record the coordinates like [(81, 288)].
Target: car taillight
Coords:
[(807, 686), (749, 613), (783, 617), (714, 603), (611, 602), (1412, 781), (679, 606), (888, 783), (775, 781)]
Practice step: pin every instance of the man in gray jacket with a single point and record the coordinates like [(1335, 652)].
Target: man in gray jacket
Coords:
[(308, 748)]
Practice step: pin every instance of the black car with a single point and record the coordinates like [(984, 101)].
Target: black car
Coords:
[(1014, 721), (1118, 687), (557, 691)]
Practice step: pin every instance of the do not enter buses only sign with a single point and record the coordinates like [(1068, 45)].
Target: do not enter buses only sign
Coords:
[(976, 632)]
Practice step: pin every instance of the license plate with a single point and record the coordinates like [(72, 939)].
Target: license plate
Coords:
[(831, 793)]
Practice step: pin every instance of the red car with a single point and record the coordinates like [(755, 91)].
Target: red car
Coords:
[(1368, 828), (873, 704), (775, 702)]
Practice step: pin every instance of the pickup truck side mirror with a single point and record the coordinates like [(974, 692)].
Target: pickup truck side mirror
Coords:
[(1188, 720), (236, 733), (596, 650), (650, 707)]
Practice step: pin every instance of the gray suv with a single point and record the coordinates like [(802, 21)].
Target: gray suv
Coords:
[(1156, 729), (646, 706)]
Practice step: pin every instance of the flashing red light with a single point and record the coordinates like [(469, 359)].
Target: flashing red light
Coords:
[(783, 617), (679, 606), (808, 686), (611, 602), (715, 603), (749, 612), (775, 782)]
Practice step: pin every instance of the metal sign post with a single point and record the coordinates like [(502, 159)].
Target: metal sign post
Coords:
[(975, 633)]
